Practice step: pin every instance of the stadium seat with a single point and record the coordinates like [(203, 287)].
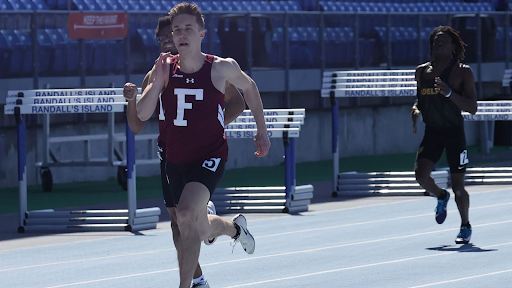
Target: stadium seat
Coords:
[(58, 64), (204, 5), (151, 48), (265, 5), (41, 5), (17, 5), (5, 56), (72, 53), (25, 48), (499, 45), (51, 4), (46, 52), (99, 56), (12, 56), (144, 5), (29, 5), (5, 5), (114, 5), (276, 6), (277, 55), (79, 5), (103, 5), (92, 5), (157, 4), (63, 5)]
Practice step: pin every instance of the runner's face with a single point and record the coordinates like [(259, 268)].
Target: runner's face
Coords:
[(165, 40), (443, 45), (186, 33)]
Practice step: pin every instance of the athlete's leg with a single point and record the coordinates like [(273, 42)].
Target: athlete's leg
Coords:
[(429, 153), (422, 169), (194, 227), (176, 237), (461, 196), (457, 157)]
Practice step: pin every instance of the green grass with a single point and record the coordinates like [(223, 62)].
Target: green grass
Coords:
[(102, 192)]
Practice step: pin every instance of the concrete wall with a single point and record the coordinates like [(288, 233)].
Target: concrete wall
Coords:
[(363, 131)]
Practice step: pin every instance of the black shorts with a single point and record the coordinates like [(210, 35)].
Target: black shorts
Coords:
[(436, 140), (166, 189), (209, 173)]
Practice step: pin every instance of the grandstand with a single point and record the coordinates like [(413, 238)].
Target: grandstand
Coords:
[(303, 32)]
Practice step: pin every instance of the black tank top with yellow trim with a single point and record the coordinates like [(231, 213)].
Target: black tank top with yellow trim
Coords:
[(436, 109)]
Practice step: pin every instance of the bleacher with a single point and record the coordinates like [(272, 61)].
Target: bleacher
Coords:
[(107, 57)]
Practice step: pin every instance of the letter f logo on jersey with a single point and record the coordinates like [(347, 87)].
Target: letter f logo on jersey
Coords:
[(182, 105), (212, 164)]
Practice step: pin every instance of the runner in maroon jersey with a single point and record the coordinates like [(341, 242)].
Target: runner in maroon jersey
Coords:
[(235, 107), (193, 99)]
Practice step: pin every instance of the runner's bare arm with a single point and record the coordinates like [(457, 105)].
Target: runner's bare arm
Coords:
[(159, 76), (236, 104)]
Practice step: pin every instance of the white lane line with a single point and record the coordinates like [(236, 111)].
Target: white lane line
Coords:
[(364, 266), (307, 251), (465, 278), (264, 236)]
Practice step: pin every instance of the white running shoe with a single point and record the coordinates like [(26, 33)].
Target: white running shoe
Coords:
[(201, 285), (211, 211), (245, 238)]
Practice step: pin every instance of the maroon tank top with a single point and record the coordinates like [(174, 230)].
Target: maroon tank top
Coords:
[(194, 118)]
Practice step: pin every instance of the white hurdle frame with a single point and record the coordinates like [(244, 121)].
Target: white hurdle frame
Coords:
[(21, 102), (360, 83)]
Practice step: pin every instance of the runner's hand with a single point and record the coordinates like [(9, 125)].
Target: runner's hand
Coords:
[(130, 91), (161, 69), (262, 144)]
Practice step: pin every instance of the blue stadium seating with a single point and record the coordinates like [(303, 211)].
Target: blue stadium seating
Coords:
[(107, 56), (41, 5), (216, 43), (79, 5), (25, 47), (151, 48), (157, 4), (51, 4), (17, 5), (5, 5), (99, 56), (499, 45), (58, 65), (63, 5), (72, 52), (6, 54), (114, 4), (277, 55), (29, 5), (92, 5), (46, 52)]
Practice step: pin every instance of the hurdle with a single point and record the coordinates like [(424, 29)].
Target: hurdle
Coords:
[(488, 112), (114, 157), (370, 83), (290, 198), (64, 101)]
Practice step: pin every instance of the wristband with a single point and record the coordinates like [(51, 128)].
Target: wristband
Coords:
[(448, 94)]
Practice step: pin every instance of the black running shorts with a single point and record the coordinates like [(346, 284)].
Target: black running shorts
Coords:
[(209, 173), (453, 140)]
